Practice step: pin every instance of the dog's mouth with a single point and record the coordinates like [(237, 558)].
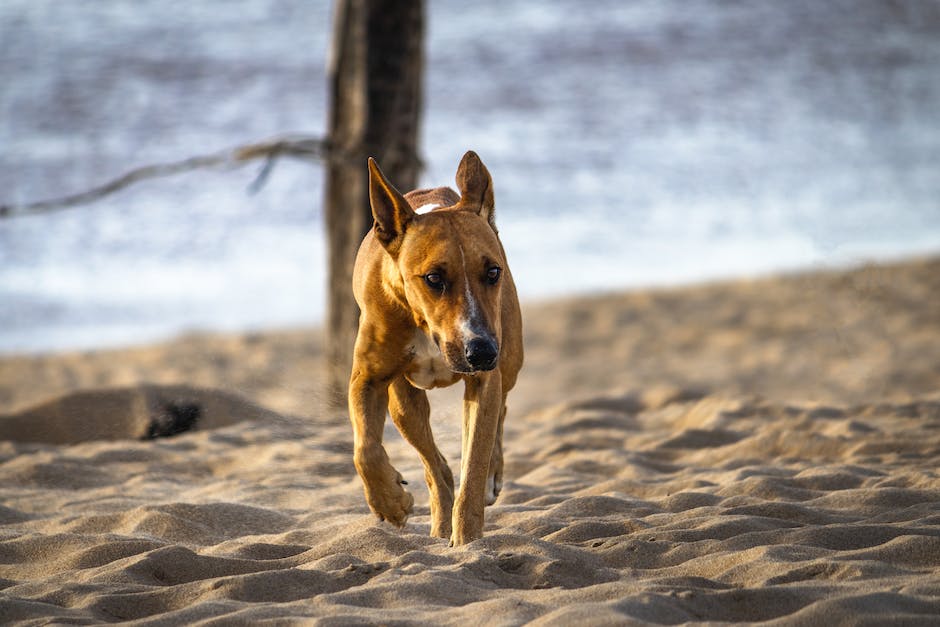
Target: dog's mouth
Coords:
[(467, 369)]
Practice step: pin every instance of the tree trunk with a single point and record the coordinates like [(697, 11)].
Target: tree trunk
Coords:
[(375, 73)]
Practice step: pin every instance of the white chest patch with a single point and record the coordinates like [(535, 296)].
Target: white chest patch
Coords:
[(427, 369)]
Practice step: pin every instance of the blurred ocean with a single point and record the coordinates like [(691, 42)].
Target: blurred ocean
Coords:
[(632, 144)]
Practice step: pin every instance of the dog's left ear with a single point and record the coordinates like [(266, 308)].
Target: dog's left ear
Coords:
[(476, 187), (391, 211)]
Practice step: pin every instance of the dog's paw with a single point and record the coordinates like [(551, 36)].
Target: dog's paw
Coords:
[(493, 487), (441, 530), (467, 524), (397, 511), (393, 504), (464, 536)]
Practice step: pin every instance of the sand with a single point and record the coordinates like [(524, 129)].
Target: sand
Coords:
[(749, 451)]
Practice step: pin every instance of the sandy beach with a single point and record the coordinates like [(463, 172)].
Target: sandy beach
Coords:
[(745, 451)]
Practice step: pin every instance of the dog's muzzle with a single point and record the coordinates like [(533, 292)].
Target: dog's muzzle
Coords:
[(482, 353)]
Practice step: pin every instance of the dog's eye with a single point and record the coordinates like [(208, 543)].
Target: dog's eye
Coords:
[(492, 275), (434, 280)]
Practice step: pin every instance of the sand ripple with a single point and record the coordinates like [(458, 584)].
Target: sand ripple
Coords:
[(659, 507)]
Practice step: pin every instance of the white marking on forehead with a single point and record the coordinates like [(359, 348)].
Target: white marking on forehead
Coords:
[(431, 206), (472, 311)]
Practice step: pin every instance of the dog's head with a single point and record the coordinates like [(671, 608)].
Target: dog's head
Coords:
[(450, 262)]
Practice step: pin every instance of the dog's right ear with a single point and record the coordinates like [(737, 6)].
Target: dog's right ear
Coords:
[(391, 211)]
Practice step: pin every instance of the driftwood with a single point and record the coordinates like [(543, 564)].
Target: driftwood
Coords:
[(297, 147)]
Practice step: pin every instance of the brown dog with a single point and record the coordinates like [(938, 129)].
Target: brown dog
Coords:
[(438, 305)]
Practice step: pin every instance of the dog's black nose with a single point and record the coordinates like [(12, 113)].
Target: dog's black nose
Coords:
[(482, 353)]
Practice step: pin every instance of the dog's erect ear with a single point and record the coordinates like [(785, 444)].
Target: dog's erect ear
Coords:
[(391, 211), (476, 187)]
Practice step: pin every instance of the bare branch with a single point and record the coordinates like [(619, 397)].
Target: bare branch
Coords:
[(262, 177), (298, 147)]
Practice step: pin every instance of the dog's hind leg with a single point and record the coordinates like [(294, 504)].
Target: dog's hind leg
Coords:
[(411, 413), (368, 400), (494, 481)]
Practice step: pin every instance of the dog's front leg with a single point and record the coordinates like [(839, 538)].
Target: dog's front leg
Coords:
[(481, 406), (411, 413), (368, 400), (494, 482)]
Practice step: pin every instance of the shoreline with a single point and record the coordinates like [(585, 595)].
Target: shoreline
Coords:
[(831, 335)]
